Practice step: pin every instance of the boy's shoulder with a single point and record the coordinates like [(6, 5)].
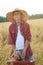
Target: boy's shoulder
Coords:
[(11, 26), (26, 24)]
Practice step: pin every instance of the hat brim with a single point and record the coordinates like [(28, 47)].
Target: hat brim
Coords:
[(25, 15)]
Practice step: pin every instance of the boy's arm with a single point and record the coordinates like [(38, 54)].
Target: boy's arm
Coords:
[(25, 48), (13, 50), (28, 39), (10, 37), (11, 41), (26, 45)]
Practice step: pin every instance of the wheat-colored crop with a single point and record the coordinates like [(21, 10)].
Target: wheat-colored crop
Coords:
[(36, 27)]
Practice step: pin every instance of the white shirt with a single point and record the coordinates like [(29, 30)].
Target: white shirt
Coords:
[(19, 40)]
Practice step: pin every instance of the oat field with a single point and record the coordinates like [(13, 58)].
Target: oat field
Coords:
[(36, 27)]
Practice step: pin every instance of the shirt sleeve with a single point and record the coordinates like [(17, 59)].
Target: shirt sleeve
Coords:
[(10, 40), (28, 35)]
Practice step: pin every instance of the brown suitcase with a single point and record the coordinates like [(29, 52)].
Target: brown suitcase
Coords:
[(12, 62)]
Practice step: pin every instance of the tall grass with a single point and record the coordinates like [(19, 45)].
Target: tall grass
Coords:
[(36, 27)]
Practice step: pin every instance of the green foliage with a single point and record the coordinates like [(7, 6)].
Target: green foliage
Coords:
[(37, 16), (3, 19)]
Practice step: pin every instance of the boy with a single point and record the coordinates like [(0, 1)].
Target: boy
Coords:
[(20, 35)]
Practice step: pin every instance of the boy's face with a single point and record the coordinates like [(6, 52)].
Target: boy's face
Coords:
[(17, 16)]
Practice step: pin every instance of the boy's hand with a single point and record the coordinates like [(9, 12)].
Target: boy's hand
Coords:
[(13, 51), (23, 54), (11, 54), (17, 56)]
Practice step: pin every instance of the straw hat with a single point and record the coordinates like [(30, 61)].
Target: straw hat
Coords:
[(10, 16)]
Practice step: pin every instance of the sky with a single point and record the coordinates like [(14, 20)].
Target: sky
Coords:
[(31, 6)]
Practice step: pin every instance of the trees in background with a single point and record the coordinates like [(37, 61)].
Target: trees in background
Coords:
[(3, 19), (37, 16)]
